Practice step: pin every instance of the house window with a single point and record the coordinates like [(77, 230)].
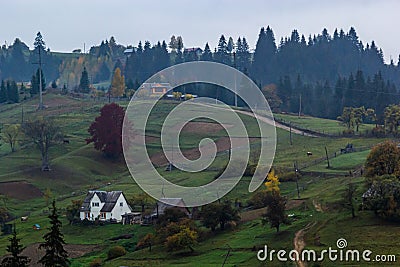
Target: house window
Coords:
[(87, 215), (102, 215), (121, 204), (95, 204)]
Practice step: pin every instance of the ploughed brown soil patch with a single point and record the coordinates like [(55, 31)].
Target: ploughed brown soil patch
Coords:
[(222, 144), (74, 251), (20, 190), (138, 139), (202, 127)]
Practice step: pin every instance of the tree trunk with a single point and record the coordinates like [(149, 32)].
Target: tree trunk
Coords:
[(45, 161), (353, 214), (277, 228)]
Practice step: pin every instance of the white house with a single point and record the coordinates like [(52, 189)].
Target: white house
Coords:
[(104, 205)]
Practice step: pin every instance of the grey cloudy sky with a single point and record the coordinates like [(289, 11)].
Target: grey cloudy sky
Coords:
[(66, 25)]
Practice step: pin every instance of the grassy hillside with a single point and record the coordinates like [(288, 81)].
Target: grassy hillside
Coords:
[(77, 167), (320, 125)]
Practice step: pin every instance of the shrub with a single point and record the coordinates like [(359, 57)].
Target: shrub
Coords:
[(378, 131), (116, 252), (95, 263), (258, 199), (348, 132), (250, 169), (289, 176)]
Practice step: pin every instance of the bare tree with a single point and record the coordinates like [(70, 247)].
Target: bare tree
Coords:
[(10, 134), (44, 132)]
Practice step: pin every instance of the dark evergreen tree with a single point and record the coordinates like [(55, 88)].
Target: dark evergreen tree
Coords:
[(13, 94), (230, 47), (242, 55), (18, 68), (34, 85), (3, 92), (15, 249), (207, 54), (264, 57), (162, 57), (55, 254), (84, 84), (39, 42), (222, 55), (54, 84)]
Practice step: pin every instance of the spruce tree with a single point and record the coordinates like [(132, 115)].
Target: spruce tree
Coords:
[(84, 84), (13, 94), (207, 54), (8, 88), (15, 249), (39, 42), (55, 254), (3, 92)]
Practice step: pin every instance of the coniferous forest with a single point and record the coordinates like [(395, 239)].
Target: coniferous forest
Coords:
[(323, 73)]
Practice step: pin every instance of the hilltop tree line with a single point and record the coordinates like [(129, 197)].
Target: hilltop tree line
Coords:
[(324, 99), (327, 65), (18, 62)]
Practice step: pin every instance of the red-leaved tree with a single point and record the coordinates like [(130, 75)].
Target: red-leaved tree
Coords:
[(106, 130)]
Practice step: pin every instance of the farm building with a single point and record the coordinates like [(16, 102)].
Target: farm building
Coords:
[(105, 206), (162, 205), (155, 89)]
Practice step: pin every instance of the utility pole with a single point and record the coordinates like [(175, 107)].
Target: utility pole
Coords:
[(296, 170), (40, 81), (327, 157), (290, 133), (22, 113), (234, 65), (40, 107), (300, 107)]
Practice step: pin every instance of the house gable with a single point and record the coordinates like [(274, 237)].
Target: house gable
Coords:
[(104, 205)]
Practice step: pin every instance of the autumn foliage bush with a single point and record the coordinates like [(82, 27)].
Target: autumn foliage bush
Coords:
[(115, 252)]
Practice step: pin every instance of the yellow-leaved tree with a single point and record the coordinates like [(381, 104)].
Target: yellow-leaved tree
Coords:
[(118, 84), (272, 182), (276, 204)]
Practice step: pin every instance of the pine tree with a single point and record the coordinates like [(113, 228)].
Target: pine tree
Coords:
[(34, 85), (222, 55), (54, 84), (3, 92), (264, 56), (8, 88), (13, 94), (84, 84), (230, 46), (39, 42), (54, 243), (207, 54), (15, 249)]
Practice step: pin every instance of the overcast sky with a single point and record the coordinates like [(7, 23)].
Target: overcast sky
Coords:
[(66, 25)]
